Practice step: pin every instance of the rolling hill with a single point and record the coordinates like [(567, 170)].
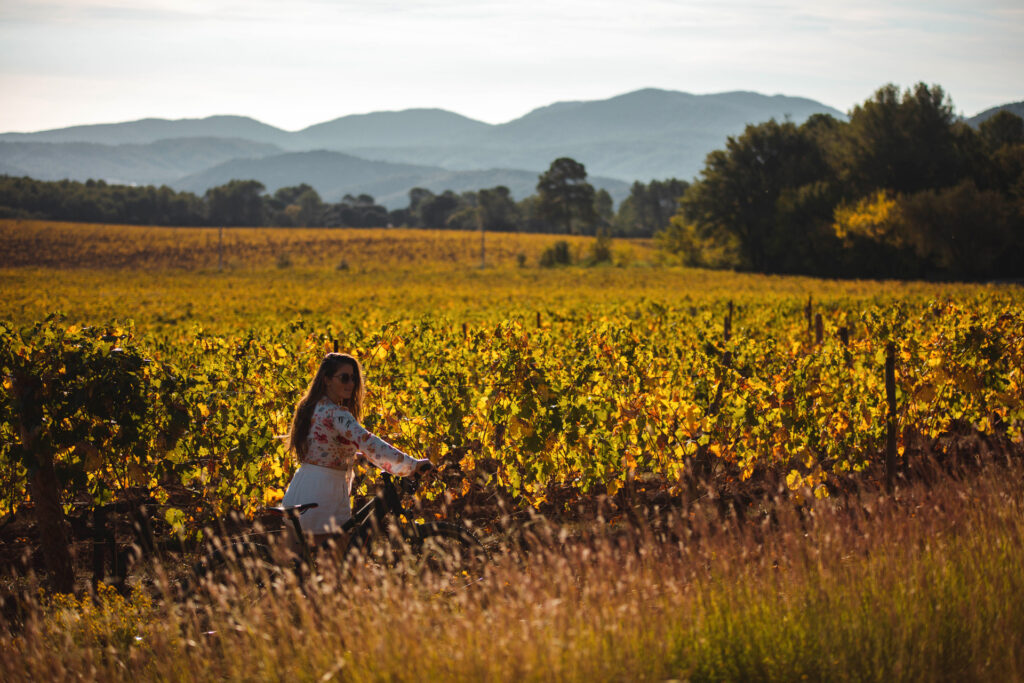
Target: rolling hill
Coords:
[(154, 163), (1013, 107), (640, 135), (643, 135)]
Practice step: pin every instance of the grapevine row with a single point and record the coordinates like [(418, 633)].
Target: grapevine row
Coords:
[(563, 401)]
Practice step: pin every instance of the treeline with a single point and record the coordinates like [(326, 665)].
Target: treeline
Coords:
[(565, 202), (904, 189)]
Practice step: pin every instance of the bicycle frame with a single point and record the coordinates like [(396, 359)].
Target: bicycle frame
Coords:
[(387, 501), (364, 529)]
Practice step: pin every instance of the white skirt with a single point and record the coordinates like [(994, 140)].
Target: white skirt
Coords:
[(329, 489)]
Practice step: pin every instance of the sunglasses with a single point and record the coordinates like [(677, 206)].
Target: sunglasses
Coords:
[(345, 377)]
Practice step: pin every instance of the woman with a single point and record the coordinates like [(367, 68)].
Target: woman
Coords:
[(326, 436)]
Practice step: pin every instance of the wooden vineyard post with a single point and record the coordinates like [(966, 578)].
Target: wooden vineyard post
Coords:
[(890, 395), (844, 337), (538, 320), (480, 221), (335, 345), (727, 328), (220, 248), (808, 310), (99, 533), (819, 329)]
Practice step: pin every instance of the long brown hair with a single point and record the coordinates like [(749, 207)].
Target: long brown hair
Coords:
[(303, 418)]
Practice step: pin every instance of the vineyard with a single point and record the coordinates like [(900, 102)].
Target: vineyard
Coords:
[(87, 245), (679, 473), (546, 388)]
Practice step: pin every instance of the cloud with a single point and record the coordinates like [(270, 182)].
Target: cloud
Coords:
[(299, 62)]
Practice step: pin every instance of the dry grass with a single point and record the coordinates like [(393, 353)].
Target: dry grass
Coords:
[(921, 585)]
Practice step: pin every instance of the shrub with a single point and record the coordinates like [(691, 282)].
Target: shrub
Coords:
[(600, 249), (556, 255)]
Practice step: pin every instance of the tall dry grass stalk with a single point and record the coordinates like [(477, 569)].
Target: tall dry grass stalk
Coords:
[(922, 585)]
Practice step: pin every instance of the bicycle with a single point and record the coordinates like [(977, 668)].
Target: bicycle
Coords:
[(381, 533)]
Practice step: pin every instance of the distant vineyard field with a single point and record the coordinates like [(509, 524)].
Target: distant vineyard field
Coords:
[(56, 244), (547, 386)]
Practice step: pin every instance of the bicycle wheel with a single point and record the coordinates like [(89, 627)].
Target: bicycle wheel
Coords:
[(239, 571), (447, 553), (370, 545), (450, 554)]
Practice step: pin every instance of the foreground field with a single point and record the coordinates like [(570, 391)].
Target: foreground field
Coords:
[(924, 585)]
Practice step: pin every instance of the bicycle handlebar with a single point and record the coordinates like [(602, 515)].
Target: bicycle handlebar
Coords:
[(409, 485)]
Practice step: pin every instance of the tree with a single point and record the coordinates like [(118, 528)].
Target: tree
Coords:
[(604, 210), (239, 202), (498, 210), (904, 143), (1001, 129), (530, 217), (1002, 135), (565, 197), (357, 212), (288, 195), (740, 188), (418, 197), (648, 208), (435, 212), (962, 232), (298, 205), (310, 208)]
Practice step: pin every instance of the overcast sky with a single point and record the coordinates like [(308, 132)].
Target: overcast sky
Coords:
[(299, 62)]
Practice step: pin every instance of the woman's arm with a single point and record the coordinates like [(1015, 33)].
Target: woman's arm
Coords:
[(377, 450)]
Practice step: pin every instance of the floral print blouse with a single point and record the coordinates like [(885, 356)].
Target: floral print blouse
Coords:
[(335, 436)]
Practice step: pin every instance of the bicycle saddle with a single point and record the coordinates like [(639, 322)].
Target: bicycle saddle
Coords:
[(284, 510)]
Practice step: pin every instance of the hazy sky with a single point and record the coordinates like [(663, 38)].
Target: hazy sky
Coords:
[(298, 62)]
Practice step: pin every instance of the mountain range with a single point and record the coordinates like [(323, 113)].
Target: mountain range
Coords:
[(643, 135), (1013, 107)]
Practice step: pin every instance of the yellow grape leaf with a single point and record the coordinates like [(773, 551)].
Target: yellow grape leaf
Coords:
[(91, 458), (551, 442), (613, 486), (137, 474)]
